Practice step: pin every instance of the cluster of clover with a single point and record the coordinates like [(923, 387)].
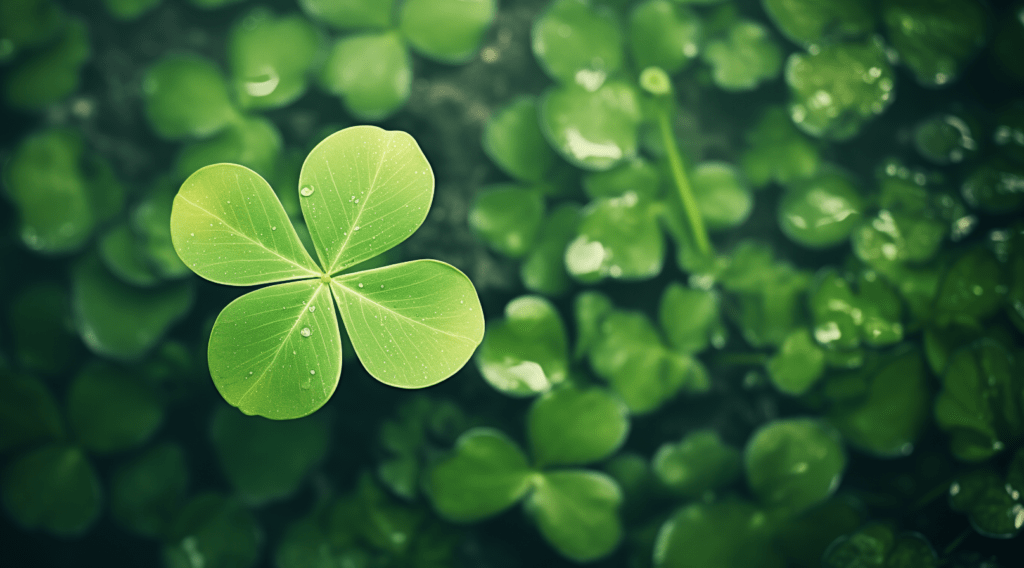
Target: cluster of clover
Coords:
[(907, 328)]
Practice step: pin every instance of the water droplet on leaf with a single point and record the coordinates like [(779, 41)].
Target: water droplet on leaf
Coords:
[(306, 191)]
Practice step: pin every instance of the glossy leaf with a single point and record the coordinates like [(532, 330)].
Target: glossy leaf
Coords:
[(527, 353), (229, 227), (449, 31), (109, 411), (364, 190), (722, 195), (577, 512), (820, 212), (618, 237), (593, 130), (935, 39), (689, 318), (727, 533), (251, 142), (371, 72), (994, 187), (121, 321), (266, 460), (794, 463), (147, 492), (276, 352), (347, 14), (808, 22), (513, 141), (486, 474), (571, 426), (270, 57), (700, 462), (507, 218), (412, 324), (186, 96), (745, 58), (663, 35), (778, 152), (215, 528), (798, 365), (543, 269), (576, 43), (946, 139), (972, 289), (770, 293), (53, 488)]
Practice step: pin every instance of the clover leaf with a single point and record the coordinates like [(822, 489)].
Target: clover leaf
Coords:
[(269, 58), (526, 353), (820, 212), (513, 141), (778, 151), (935, 38), (991, 501), (617, 237), (276, 351), (744, 58), (812, 21), (54, 488), (371, 72), (576, 43), (726, 533), (348, 14), (663, 35), (146, 492), (449, 31), (700, 462), (877, 545)]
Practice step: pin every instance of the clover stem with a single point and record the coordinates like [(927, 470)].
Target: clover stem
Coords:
[(682, 183)]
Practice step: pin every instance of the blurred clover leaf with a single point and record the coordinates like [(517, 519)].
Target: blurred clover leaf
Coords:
[(527, 353), (991, 501), (838, 87), (690, 318), (592, 129), (663, 34), (946, 139), (575, 509), (54, 488), (276, 352), (876, 544), (371, 72), (28, 413), (507, 217), (110, 411), (49, 75), (725, 533), (617, 237), (147, 492), (350, 14), (449, 31), (543, 269), (513, 141), (186, 96), (213, 527), (807, 22), (820, 212), (270, 57), (778, 151), (744, 58), (723, 197), (577, 43), (700, 462), (253, 142), (798, 364), (128, 10), (935, 38)]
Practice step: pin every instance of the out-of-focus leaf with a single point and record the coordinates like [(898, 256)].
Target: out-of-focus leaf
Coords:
[(591, 129), (371, 72), (577, 512), (727, 533), (935, 38), (576, 43), (53, 488), (449, 31), (572, 426), (543, 268), (972, 289), (723, 197), (507, 218), (991, 501), (618, 237), (808, 22), (349, 14), (42, 331), (526, 353), (820, 212), (637, 175), (48, 76), (28, 413), (946, 139), (689, 318), (746, 57), (700, 462), (778, 151), (216, 529), (996, 186), (270, 57), (109, 410), (513, 141), (798, 365), (186, 96), (147, 492), (663, 35)]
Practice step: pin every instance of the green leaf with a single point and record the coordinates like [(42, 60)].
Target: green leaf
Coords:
[(513, 141), (52, 74), (745, 58), (28, 413), (486, 474), (128, 10), (109, 411), (778, 151), (593, 130), (727, 533), (994, 187), (449, 31), (186, 96), (722, 196), (53, 488), (946, 139), (589, 309), (805, 538), (794, 463), (543, 269), (29, 23), (507, 218), (121, 321), (798, 365), (215, 529), (575, 43), (42, 337), (276, 352), (251, 142), (413, 324), (304, 545), (700, 462), (935, 39), (663, 35), (349, 14), (364, 190), (266, 460), (147, 492), (270, 57), (371, 72), (618, 237), (972, 289), (572, 426), (981, 403), (526, 353), (892, 237), (836, 312), (838, 88), (771, 294), (820, 212), (151, 223), (637, 175), (888, 419), (807, 22), (689, 318), (577, 512), (122, 255), (631, 356), (229, 227)]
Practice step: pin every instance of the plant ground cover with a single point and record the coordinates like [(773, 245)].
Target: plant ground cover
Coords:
[(752, 274)]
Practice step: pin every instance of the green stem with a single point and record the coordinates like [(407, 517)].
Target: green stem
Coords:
[(675, 161)]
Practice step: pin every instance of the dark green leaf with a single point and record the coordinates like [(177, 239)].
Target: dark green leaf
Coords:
[(700, 462), (28, 413), (513, 141), (571, 426), (507, 218), (147, 492), (53, 488), (216, 530), (577, 512), (727, 533), (110, 411)]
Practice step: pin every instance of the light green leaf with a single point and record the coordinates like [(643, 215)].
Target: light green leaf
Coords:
[(121, 321), (276, 352), (637, 175), (743, 59), (722, 195), (513, 141), (575, 43), (486, 474), (798, 365), (618, 237), (229, 227), (577, 512), (109, 411), (727, 533), (371, 72), (186, 96), (593, 130), (815, 21), (527, 352), (820, 212), (348, 14), (266, 460), (151, 222), (364, 190), (700, 462), (778, 151), (507, 218), (147, 492), (689, 318), (449, 31), (122, 254), (253, 142), (663, 35), (794, 463), (53, 488), (412, 324), (270, 58), (543, 269), (572, 426)]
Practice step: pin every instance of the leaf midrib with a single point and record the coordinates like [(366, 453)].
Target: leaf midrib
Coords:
[(398, 315), (359, 213)]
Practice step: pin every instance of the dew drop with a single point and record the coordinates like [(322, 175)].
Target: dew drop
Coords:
[(193, 234), (312, 309), (381, 286), (360, 284), (357, 200), (306, 191), (356, 228), (312, 372), (250, 372), (273, 228), (306, 332)]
